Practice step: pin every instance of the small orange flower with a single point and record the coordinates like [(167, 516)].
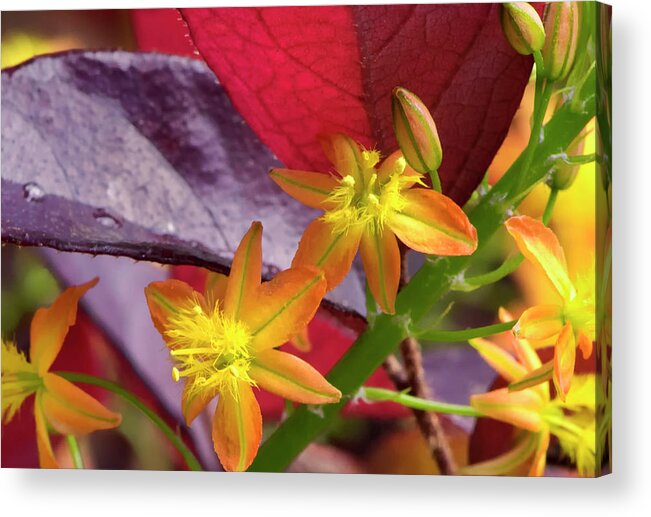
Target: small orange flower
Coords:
[(367, 205), (59, 404), (223, 343), (569, 324), (530, 409)]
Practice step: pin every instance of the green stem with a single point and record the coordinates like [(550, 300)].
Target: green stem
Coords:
[(436, 181), (426, 289), (186, 453), (382, 395), (73, 445), (455, 336), (510, 264)]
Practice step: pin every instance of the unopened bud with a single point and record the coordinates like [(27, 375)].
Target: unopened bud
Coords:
[(562, 27), (522, 27), (416, 132), (564, 173)]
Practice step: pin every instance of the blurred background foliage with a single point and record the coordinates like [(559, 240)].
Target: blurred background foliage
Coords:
[(390, 446)]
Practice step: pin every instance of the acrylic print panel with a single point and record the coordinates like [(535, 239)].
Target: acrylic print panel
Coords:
[(346, 239)]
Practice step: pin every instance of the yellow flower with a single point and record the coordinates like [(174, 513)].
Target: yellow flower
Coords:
[(368, 206), (568, 324), (223, 343), (530, 409), (59, 404)]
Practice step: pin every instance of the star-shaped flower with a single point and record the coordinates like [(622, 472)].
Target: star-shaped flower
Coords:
[(58, 404), (223, 343), (368, 206)]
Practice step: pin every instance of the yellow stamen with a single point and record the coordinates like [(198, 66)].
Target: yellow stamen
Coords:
[(19, 379)]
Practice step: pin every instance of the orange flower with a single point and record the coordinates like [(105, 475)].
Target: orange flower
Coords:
[(222, 342), (366, 207), (568, 324), (59, 404), (530, 409)]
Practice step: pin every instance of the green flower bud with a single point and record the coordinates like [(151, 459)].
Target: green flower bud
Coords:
[(564, 174), (416, 132), (522, 27), (562, 29)]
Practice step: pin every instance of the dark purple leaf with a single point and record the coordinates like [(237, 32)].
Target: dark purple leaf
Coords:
[(143, 156)]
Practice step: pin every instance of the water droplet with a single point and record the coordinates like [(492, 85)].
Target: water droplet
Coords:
[(106, 219), (33, 192)]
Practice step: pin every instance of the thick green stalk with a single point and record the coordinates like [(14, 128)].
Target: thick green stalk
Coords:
[(422, 293), (186, 453), (382, 395)]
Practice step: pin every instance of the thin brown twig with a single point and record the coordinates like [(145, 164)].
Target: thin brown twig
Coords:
[(412, 376)]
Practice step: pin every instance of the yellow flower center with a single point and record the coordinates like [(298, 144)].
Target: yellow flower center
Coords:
[(369, 201), (211, 350), (19, 379)]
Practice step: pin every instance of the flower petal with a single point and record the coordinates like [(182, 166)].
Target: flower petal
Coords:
[(540, 322), (500, 360), (540, 457), (246, 272), (432, 223), (535, 378), (519, 408), (46, 458), (564, 359), (237, 428), (585, 345), (292, 378), (50, 326), (388, 167), (215, 287), (164, 297), (540, 245), (310, 188), (70, 410), (283, 306), (333, 252), (344, 153), (507, 463), (192, 404), (301, 341), (381, 259)]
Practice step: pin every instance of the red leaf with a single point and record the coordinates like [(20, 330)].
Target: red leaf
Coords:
[(295, 72), (162, 30)]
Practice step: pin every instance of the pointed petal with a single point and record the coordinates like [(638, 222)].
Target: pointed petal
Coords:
[(432, 223), (540, 245), (389, 165), (534, 378), (50, 326), (246, 272), (585, 345), (192, 404), (301, 341), (333, 252), (344, 153), (237, 428), (46, 458), (292, 378), (70, 410), (540, 322), (564, 359), (540, 457), (519, 408), (215, 287), (164, 298), (381, 259), (500, 360), (283, 306), (310, 188), (504, 464)]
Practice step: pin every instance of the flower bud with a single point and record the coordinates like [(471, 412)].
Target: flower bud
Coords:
[(522, 27), (562, 29), (564, 174), (416, 132)]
